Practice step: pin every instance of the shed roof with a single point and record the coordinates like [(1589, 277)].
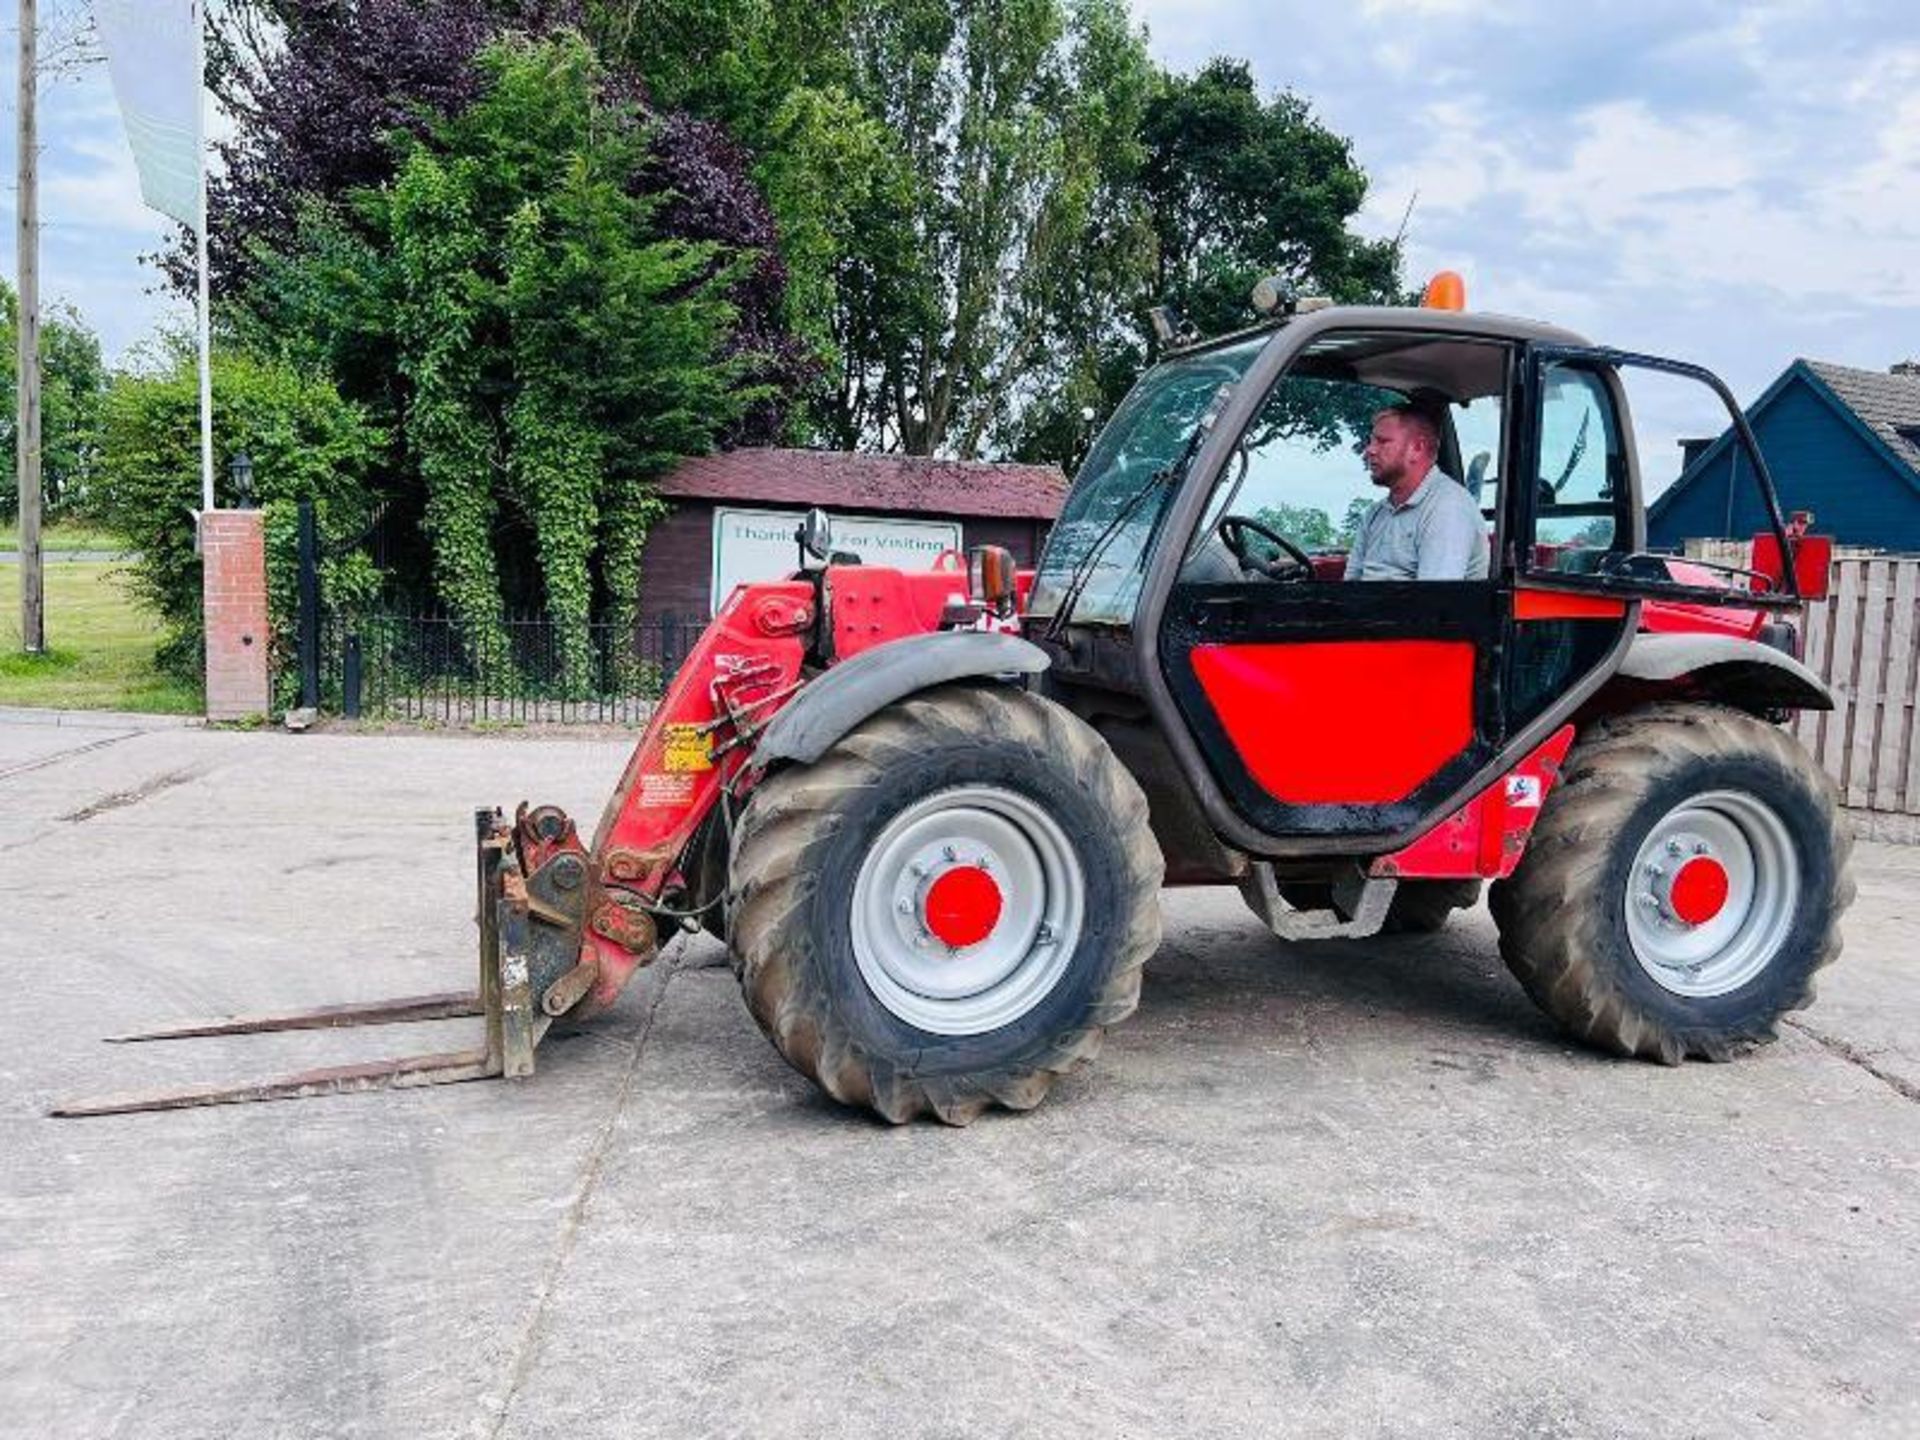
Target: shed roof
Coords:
[(1883, 406), (841, 480)]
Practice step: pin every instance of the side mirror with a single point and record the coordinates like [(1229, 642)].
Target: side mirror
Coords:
[(816, 537)]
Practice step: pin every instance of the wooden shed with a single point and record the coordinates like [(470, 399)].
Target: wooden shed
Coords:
[(734, 514)]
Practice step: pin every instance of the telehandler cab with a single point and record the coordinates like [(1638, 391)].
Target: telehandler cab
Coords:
[(931, 813)]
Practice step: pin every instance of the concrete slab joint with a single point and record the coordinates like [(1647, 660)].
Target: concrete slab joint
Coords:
[(1319, 1189)]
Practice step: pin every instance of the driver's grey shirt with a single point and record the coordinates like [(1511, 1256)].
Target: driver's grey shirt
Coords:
[(1437, 535)]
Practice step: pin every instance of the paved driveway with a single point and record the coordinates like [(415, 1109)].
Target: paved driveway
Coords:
[(1334, 1190)]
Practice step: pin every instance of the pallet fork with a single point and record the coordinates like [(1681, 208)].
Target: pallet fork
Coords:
[(514, 1025)]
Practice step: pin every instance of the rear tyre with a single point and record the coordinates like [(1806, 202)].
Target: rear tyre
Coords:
[(1419, 907), (1683, 886), (949, 908)]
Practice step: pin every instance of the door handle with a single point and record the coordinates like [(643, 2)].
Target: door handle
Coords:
[(1222, 610)]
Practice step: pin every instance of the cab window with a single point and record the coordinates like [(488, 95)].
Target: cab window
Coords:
[(1292, 499), (1581, 484)]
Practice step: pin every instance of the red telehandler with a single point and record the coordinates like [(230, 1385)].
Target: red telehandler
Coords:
[(931, 814)]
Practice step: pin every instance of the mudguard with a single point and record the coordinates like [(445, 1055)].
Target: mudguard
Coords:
[(1742, 672), (849, 692)]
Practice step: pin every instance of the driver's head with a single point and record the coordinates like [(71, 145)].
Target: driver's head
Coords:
[(1402, 448)]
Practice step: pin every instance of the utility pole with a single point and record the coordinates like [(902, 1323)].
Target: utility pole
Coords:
[(33, 635)]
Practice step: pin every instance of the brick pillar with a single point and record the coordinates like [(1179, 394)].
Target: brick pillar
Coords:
[(233, 560)]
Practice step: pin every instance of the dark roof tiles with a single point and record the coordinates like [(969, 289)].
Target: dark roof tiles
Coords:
[(1887, 404), (843, 481)]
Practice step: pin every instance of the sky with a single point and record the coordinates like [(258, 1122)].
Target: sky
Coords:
[(1737, 184), (1732, 184)]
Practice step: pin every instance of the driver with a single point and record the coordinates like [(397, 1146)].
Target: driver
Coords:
[(1427, 527)]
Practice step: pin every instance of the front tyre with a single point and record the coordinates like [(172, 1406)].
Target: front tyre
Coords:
[(1683, 886), (948, 909)]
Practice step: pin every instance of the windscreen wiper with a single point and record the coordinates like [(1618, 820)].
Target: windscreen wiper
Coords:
[(1167, 474)]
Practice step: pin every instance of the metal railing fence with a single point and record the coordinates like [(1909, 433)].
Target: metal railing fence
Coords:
[(425, 668)]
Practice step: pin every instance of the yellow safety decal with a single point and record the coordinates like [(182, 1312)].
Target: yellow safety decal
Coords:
[(685, 748)]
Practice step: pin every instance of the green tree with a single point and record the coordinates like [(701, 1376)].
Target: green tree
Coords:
[(73, 385), (1308, 526), (545, 350), (1356, 516), (955, 186), (1240, 187), (306, 444), (978, 203)]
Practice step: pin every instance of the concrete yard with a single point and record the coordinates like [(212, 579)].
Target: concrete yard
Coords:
[(1315, 1190)]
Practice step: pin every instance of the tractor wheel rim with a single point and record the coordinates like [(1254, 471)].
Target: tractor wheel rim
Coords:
[(974, 988), (1712, 894)]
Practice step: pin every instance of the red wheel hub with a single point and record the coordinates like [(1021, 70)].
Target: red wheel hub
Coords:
[(1699, 890), (963, 906)]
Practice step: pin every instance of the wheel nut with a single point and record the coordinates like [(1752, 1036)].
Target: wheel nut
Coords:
[(905, 907), (950, 853), (1674, 847)]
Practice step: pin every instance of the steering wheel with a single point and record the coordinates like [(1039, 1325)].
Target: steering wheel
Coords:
[(1234, 532)]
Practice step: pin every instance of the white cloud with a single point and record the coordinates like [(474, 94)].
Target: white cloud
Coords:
[(1655, 202), (97, 187), (1738, 185)]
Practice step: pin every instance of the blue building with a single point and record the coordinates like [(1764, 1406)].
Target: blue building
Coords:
[(1841, 443)]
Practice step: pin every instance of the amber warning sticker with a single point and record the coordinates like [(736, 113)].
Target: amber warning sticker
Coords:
[(684, 749)]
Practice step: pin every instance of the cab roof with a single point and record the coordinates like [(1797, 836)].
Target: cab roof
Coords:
[(1383, 355)]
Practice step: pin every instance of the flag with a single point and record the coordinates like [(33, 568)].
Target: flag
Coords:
[(153, 55)]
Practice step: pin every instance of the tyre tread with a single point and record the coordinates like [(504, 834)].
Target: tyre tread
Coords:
[(793, 811), (1548, 913)]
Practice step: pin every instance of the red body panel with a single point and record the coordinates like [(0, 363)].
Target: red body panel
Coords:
[(745, 668), (1812, 562), (1563, 605), (871, 605), (1666, 617), (1342, 722), (1485, 838)]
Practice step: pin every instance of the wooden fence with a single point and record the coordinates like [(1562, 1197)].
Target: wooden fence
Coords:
[(1864, 641)]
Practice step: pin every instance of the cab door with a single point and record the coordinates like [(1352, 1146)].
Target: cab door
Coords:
[(1322, 708), (1585, 577)]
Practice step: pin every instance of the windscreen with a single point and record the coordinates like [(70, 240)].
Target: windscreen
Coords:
[(1148, 432)]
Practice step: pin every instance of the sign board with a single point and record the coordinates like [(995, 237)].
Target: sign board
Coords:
[(753, 545)]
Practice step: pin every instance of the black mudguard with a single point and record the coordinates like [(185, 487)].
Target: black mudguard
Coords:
[(849, 692), (1741, 672)]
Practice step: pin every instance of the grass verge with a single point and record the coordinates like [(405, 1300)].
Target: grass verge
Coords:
[(65, 536), (99, 647)]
